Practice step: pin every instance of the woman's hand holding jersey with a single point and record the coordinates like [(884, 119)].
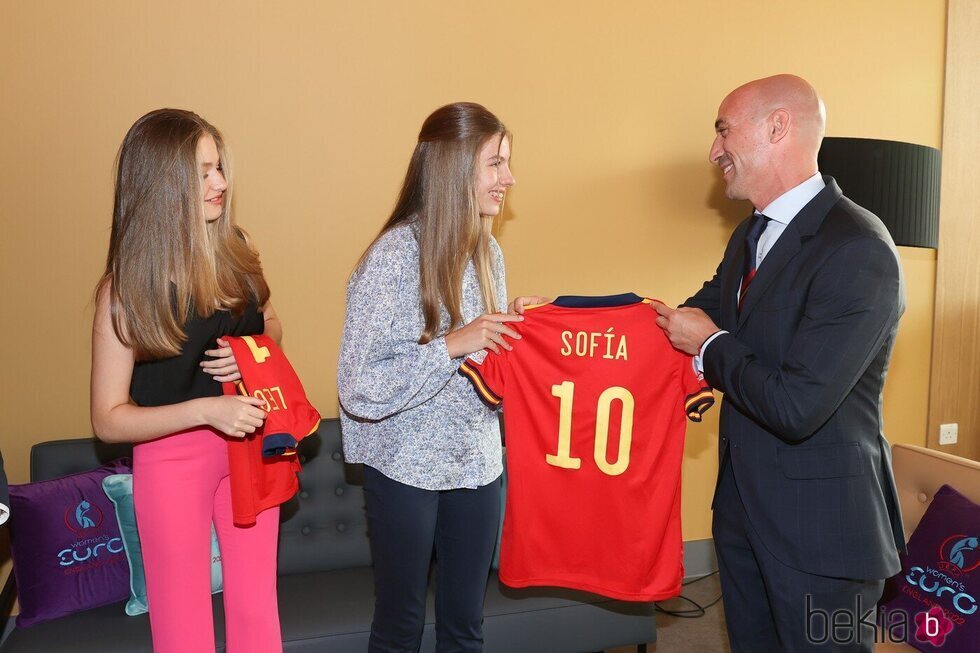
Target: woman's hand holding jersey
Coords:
[(485, 332)]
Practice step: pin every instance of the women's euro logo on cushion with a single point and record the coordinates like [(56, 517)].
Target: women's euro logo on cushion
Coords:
[(86, 516), (83, 520), (959, 554)]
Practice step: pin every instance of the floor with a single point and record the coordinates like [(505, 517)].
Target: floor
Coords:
[(701, 635)]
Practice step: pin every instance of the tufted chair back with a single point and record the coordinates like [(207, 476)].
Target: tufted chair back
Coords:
[(323, 527)]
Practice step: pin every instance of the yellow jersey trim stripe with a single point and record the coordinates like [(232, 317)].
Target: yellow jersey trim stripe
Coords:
[(481, 387), (697, 404)]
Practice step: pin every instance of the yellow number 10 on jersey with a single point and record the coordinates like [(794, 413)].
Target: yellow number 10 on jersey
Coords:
[(566, 394)]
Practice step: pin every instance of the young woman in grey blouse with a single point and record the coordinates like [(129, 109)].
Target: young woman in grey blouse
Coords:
[(427, 293)]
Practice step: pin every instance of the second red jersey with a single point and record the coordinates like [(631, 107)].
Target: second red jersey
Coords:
[(263, 466), (595, 408)]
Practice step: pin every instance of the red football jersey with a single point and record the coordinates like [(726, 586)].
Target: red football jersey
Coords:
[(595, 408), (263, 465)]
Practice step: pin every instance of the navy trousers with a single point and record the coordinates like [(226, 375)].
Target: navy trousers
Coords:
[(771, 607), (405, 525)]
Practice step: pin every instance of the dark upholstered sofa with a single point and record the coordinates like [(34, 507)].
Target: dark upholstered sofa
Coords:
[(325, 587)]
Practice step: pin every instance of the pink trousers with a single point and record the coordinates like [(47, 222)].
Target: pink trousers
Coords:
[(180, 484)]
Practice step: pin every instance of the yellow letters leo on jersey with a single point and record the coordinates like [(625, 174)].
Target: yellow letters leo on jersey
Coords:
[(269, 395)]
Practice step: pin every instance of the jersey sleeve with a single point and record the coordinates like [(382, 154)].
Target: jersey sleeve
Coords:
[(698, 395), (487, 372)]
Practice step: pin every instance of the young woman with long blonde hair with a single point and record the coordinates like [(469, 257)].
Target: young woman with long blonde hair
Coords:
[(428, 292), (179, 276)]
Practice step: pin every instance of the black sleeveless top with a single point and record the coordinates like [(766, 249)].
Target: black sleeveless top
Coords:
[(179, 378)]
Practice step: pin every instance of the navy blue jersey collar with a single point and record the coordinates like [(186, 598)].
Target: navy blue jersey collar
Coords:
[(603, 301)]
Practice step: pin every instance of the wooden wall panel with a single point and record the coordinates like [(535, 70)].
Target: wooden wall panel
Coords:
[(955, 380)]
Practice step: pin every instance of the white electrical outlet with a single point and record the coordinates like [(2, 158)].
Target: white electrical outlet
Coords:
[(948, 433)]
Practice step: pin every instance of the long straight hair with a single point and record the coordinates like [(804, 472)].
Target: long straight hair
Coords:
[(166, 261), (439, 197)]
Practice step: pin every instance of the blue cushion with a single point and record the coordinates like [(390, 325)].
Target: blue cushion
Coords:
[(119, 489)]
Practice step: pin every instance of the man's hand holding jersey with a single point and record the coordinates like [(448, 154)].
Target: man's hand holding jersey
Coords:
[(686, 328)]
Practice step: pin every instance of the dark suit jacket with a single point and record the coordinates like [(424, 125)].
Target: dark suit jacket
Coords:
[(802, 370)]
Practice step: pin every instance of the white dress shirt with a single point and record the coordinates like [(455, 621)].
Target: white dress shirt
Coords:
[(780, 212)]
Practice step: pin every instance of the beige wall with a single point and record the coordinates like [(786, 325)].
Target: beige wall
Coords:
[(612, 105)]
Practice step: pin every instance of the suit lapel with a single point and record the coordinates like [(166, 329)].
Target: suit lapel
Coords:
[(731, 278), (803, 226), (782, 252)]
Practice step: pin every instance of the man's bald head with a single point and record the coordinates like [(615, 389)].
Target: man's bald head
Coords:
[(768, 135), (789, 93)]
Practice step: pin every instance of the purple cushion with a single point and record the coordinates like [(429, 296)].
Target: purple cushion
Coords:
[(65, 543), (938, 590)]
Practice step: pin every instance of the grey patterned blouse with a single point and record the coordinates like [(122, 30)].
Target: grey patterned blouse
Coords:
[(404, 409)]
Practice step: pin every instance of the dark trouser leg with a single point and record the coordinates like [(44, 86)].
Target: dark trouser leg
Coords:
[(751, 628), (772, 607), (804, 607), (465, 536), (401, 527)]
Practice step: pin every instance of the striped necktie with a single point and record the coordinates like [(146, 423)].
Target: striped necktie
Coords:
[(758, 225)]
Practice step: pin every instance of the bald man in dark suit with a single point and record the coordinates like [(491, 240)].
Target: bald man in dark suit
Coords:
[(796, 328)]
